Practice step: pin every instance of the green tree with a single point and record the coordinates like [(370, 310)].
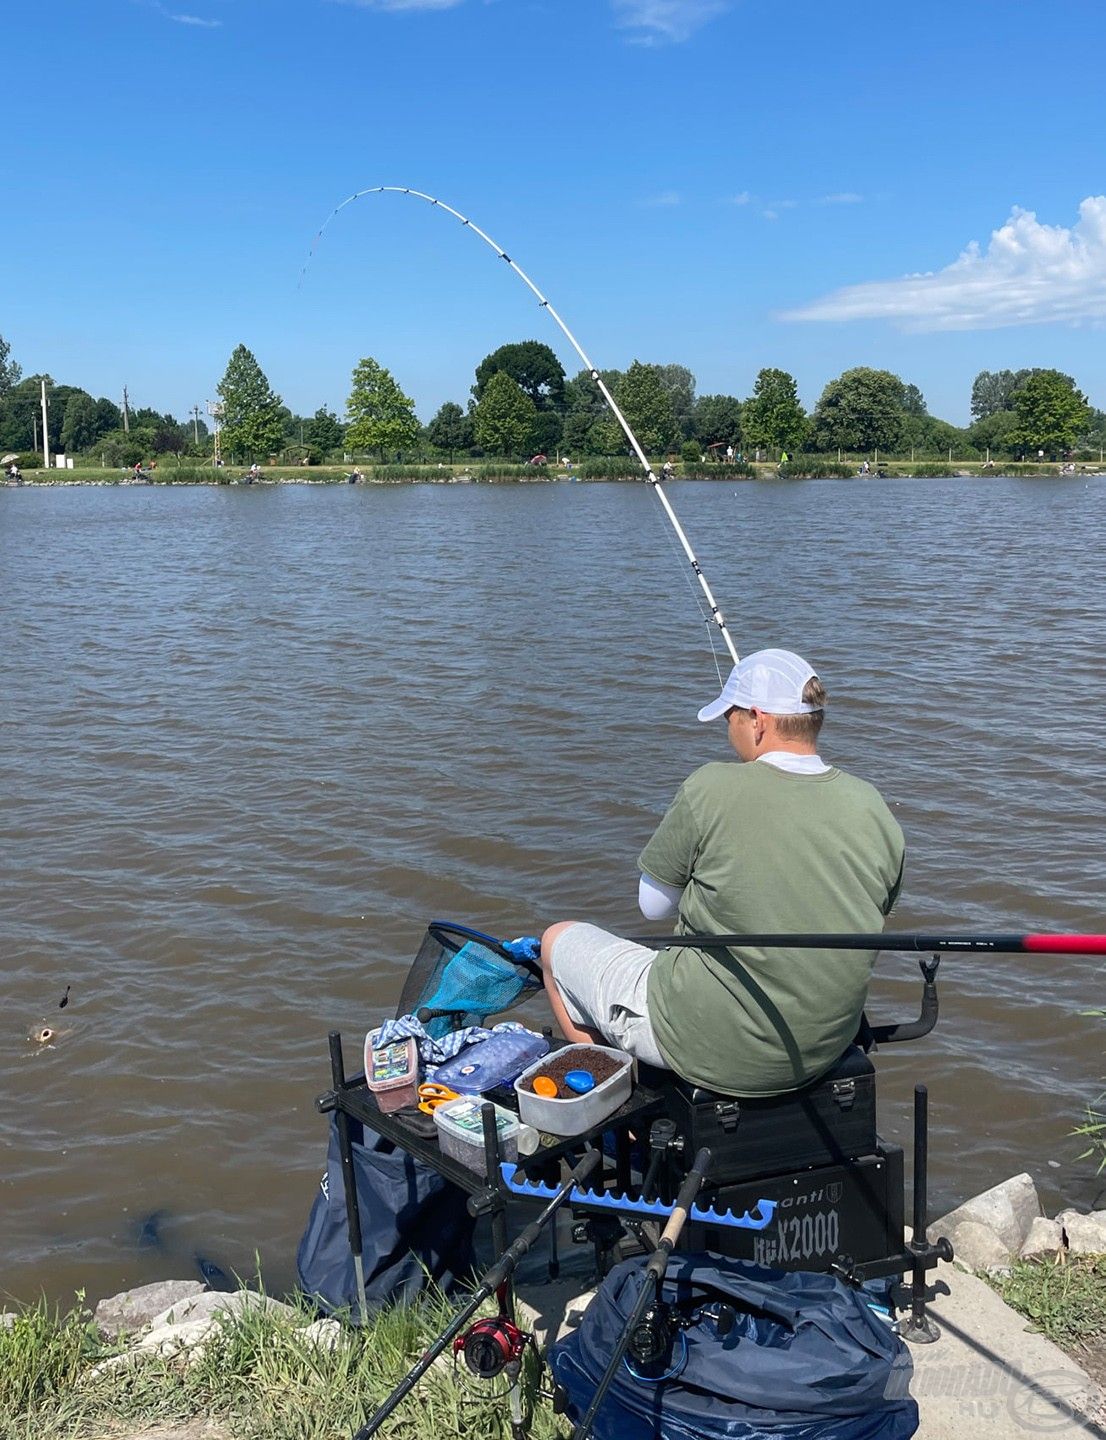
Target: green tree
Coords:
[(1051, 412), (532, 366), (450, 430), (860, 410), (10, 372), (644, 401), (381, 417), (772, 417), (79, 427), (323, 433), (718, 420), (251, 409), (679, 385), (997, 433), (993, 390), (913, 401), (503, 420)]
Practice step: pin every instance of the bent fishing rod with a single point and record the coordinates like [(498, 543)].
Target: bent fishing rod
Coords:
[(715, 613), (890, 940)]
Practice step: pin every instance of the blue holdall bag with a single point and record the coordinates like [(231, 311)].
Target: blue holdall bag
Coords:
[(767, 1355), (415, 1228)]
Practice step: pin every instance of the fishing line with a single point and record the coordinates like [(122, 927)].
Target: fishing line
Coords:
[(715, 614)]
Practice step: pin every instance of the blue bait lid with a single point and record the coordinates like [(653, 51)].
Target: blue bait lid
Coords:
[(580, 1080)]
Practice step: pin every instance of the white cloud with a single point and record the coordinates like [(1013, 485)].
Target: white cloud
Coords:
[(193, 20), (743, 199), (656, 21), (1030, 274), (665, 198), (842, 197)]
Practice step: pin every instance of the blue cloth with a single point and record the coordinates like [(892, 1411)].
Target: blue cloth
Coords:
[(525, 948), (435, 1050)]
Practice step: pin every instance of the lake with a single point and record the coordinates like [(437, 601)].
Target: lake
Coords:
[(255, 738)]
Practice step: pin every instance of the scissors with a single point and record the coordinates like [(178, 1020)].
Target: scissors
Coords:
[(432, 1095)]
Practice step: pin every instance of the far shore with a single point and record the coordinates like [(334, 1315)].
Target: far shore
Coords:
[(490, 472)]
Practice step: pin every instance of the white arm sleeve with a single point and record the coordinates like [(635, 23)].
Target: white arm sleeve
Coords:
[(657, 901)]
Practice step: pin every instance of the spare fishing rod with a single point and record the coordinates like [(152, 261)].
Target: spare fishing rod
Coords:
[(647, 1327), (714, 611), (492, 1281), (890, 940)]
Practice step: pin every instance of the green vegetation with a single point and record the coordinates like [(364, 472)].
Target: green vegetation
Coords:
[(1065, 1300), (258, 1374), (522, 403), (252, 428), (381, 417)]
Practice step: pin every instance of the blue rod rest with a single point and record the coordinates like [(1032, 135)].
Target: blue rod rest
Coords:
[(624, 1205)]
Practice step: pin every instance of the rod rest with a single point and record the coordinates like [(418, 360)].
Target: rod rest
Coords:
[(927, 1016)]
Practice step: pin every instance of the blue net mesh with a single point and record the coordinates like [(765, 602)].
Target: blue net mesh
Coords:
[(463, 980)]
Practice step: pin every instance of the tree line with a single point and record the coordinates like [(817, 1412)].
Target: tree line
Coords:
[(523, 404)]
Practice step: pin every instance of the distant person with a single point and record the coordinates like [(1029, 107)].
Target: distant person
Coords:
[(729, 453), (14, 475), (354, 477), (865, 469), (667, 470), (783, 457)]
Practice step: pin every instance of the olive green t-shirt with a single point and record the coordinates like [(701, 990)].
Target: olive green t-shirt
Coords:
[(759, 850)]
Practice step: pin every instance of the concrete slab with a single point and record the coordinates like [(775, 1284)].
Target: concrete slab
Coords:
[(990, 1378)]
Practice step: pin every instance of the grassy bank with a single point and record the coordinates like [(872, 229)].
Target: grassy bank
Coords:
[(1065, 1300), (258, 1376), (505, 472)]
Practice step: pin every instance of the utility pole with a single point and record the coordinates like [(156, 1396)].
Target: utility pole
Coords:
[(196, 425), (126, 413), (216, 410), (45, 432), (34, 419)]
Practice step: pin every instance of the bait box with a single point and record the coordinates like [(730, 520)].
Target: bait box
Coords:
[(580, 1112), (392, 1073), (495, 1061), (460, 1126)]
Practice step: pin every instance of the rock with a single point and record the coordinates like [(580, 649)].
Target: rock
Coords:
[(1008, 1210), (216, 1302), (1086, 1234), (7, 1319), (976, 1246), (1046, 1237), (326, 1334), (174, 1339), (132, 1309)]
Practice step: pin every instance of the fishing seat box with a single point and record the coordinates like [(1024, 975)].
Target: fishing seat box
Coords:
[(826, 1122)]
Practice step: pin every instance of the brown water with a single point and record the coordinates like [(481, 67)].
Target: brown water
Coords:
[(254, 739)]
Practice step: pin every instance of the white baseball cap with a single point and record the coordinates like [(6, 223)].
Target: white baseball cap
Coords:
[(769, 680)]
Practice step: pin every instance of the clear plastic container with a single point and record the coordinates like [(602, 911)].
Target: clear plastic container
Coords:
[(392, 1072), (460, 1126), (581, 1112)]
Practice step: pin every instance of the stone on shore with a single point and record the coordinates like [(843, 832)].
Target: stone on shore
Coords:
[(215, 1302), (1046, 1237), (1007, 1210), (1086, 1234), (132, 1309)]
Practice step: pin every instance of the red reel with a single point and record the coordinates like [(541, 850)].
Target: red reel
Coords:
[(490, 1345)]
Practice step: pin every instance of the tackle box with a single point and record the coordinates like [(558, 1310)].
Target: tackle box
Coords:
[(460, 1126), (574, 1115), (830, 1120)]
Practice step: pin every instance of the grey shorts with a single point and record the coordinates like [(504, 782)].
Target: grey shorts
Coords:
[(603, 981)]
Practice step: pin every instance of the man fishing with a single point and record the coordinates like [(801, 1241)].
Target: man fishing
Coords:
[(780, 843)]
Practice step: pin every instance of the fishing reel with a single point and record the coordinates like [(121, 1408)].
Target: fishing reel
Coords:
[(657, 1348), (491, 1346)]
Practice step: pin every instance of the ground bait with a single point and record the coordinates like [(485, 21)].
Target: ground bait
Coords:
[(557, 1066)]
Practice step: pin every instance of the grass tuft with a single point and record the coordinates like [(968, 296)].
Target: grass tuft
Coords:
[(1065, 1300), (258, 1374)]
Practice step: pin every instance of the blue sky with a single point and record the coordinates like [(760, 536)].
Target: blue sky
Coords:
[(726, 184)]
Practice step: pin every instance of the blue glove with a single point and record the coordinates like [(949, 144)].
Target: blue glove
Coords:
[(525, 948)]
